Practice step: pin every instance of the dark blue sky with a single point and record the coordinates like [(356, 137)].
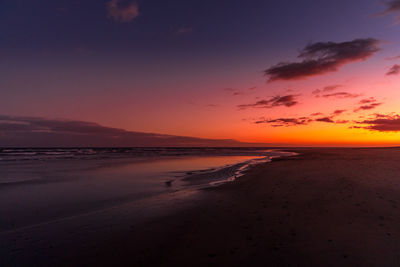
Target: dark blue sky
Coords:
[(60, 26)]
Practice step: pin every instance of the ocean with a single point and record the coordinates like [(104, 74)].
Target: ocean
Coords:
[(40, 185)]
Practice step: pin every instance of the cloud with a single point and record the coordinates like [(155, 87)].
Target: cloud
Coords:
[(367, 104), (326, 89), (393, 58), (303, 120), (122, 13), (330, 88), (338, 112), (40, 132), (237, 92), (316, 92), (382, 123), (325, 119), (317, 114), (10, 123), (288, 122), (330, 119), (276, 101), (367, 100), (341, 95), (323, 57), (368, 107), (285, 121), (394, 70), (392, 7)]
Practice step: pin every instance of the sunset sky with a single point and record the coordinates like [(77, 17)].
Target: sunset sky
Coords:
[(306, 72)]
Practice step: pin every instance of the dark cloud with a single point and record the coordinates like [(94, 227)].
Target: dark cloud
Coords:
[(331, 87), (330, 119), (341, 95), (367, 104), (8, 123), (316, 92), (367, 100), (317, 114), (326, 89), (382, 123), (303, 120), (325, 119), (237, 92), (323, 57), (394, 70), (40, 132), (367, 107), (276, 101), (338, 112), (393, 7), (121, 12), (285, 121), (234, 92)]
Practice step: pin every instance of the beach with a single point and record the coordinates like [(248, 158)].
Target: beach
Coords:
[(323, 207)]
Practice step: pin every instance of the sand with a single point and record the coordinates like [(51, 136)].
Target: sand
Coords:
[(325, 207)]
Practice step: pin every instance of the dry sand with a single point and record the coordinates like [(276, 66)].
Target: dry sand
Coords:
[(325, 207)]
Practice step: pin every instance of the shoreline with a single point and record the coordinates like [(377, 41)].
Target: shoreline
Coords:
[(192, 181), (30, 200), (330, 205)]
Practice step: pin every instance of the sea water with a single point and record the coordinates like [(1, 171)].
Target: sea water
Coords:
[(41, 185)]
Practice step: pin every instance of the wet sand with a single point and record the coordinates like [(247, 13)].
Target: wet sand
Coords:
[(325, 207)]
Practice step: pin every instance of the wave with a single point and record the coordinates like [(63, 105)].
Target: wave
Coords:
[(42, 154), (229, 173)]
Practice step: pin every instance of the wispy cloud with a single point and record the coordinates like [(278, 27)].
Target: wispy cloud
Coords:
[(326, 89), (392, 7), (393, 58), (323, 57), (239, 92), (368, 107), (367, 104), (367, 100), (317, 114), (285, 121), (121, 12), (314, 117), (290, 122), (33, 124), (394, 70), (341, 95), (276, 101)]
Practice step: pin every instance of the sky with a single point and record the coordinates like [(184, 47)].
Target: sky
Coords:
[(309, 72)]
